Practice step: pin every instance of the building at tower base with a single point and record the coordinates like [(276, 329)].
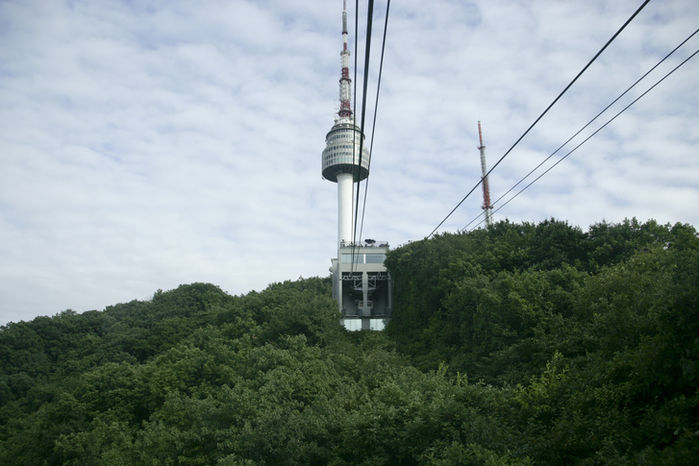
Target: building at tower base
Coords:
[(362, 286)]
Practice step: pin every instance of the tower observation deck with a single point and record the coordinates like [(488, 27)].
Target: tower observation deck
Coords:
[(341, 154), (361, 283)]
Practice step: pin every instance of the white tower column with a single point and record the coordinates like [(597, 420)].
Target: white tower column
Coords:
[(344, 208)]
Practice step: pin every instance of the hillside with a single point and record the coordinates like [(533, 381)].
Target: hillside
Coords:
[(522, 344)]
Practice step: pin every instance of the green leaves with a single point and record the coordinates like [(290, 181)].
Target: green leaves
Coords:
[(580, 348), (617, 307)]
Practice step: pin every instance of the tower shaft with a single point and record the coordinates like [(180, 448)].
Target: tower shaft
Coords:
[(345, 183)]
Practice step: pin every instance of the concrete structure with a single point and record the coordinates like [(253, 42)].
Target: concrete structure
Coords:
[(361, 283), (362, 286)]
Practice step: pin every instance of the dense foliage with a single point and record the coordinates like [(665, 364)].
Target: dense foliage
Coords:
[(520, 344), (595, 336)]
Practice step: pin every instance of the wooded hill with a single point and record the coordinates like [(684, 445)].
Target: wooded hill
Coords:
[(520, 344)]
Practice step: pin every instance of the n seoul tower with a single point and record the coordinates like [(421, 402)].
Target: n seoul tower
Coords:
[(341, 160), (361, 283)]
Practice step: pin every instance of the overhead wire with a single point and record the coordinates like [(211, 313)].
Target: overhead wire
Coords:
[(354, 102), (356, 54), (628, 89), (373, 125), (541, 116), (367, 51), (594, 133)]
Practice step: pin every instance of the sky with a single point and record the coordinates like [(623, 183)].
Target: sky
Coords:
[(148, 144)]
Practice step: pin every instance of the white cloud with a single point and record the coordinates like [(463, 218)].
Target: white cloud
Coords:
[(148, 144)]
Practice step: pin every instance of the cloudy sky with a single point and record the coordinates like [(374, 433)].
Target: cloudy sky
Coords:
[(146, 144)]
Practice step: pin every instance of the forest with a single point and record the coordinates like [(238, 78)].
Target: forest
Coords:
[(519, 344)]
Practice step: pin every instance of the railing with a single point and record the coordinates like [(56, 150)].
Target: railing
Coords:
[(373, 244)]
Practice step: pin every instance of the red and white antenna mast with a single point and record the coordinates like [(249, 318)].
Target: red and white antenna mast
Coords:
[(487, 207), (345, 81)]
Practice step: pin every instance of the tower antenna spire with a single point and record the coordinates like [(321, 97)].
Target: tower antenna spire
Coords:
[(345, 81), (487, 206)]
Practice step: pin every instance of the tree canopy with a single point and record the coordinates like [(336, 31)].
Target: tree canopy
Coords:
[(518, 344)]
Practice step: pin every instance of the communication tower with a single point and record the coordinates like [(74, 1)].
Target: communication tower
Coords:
[(361, 283), (487, 206)]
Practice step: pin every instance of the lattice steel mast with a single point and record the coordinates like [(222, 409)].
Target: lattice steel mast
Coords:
[(487, 206)]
